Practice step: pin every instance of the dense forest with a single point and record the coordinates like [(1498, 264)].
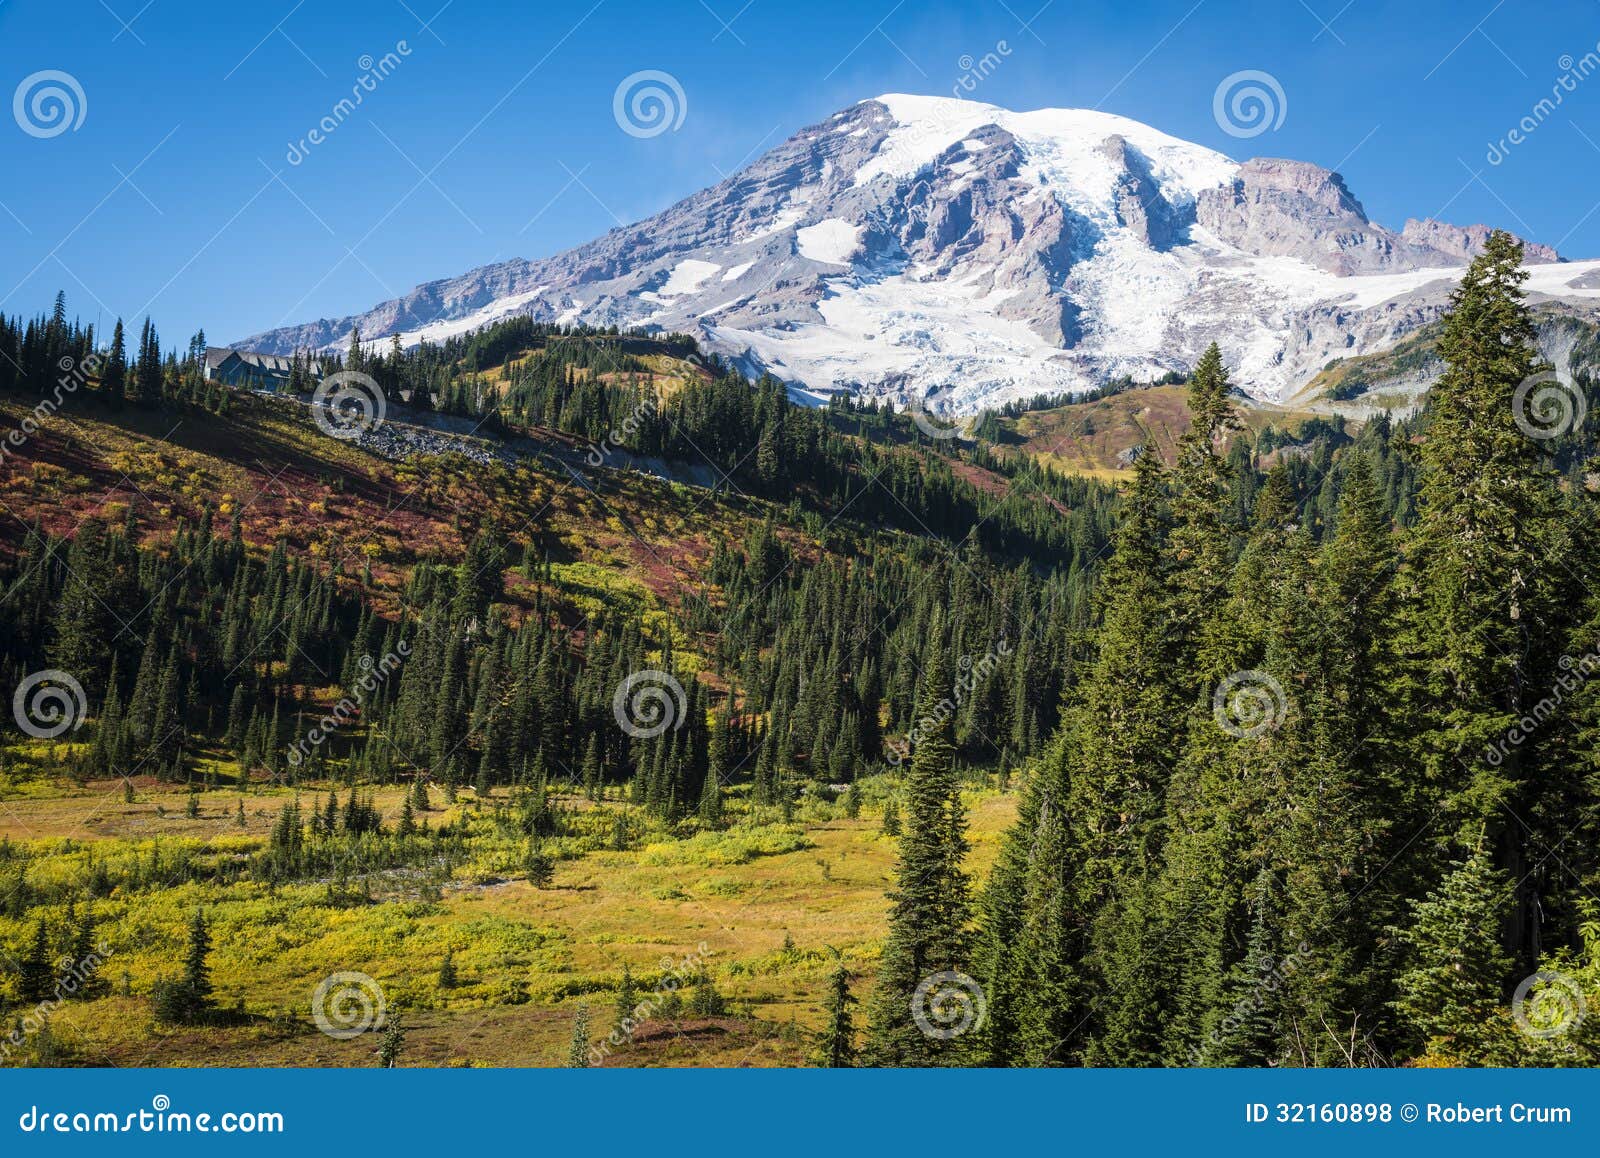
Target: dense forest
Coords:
[(1302, 746), (1312, 801)]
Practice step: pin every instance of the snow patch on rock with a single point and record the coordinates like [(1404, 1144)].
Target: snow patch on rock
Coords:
[(832, 241)]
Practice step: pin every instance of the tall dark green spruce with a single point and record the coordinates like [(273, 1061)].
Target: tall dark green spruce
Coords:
[(36, 977), (1031, 939), (837, 1048), (1345, 803), (1201, 538), (1488, 620), (929, 918), (1119, 732), (1172, 955), (1452, 993), (578, 1051), (1110, 769), (196, 968), (1091, 818)]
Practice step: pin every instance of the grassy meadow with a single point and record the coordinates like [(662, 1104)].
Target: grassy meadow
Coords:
[(768, 900)]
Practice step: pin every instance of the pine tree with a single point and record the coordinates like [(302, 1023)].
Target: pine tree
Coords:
[(837, 1048), (1121, 735), (1201, 538), (627, 1001), (1451, 996), (929, 918), (578, 1051), (196, 971), (1349, 806), (890, 823), (710, 810), (84, 626), (1249, 1033), (392, 1043), (36, 980), (114, 377), (1486, 618), (85, 955)]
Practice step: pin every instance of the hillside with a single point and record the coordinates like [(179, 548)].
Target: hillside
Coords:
[(567, 685), (226, 518), (1099, 438)]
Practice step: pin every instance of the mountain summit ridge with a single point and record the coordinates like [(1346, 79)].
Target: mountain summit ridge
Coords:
[(913, 246)]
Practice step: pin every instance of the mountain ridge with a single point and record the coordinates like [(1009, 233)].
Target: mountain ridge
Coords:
[(924, 247)]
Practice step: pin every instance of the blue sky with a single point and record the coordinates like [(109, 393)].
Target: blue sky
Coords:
[(493, 134)]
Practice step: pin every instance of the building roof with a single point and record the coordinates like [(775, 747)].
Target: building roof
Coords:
[(216, 356)]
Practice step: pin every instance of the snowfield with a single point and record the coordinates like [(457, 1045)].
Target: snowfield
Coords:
[(832, 241), (910, 244)]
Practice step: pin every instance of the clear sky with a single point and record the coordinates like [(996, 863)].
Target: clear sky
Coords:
[(493, 133)]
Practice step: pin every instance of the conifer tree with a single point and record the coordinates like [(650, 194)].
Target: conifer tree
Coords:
[(1489, 619), (196, 970), (710, 810), (627, 1000), (1249, 1034), (114, 377), (1201, 538), (578, 1051), (36, 980), (928, 921), (1451, 996), (392, 1043), (837, 1049), (85, 955)]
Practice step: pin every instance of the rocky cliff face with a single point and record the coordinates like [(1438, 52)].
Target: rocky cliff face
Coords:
[(913, 245)]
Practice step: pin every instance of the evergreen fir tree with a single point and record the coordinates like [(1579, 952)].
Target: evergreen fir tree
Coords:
[(1451, 996), (928, 921), (837, 1048), (578, 1051), (627, 1001), (36, 978)]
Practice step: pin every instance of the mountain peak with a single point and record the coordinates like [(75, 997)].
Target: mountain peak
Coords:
[(910, 245)]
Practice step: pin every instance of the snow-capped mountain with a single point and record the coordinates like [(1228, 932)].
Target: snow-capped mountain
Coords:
[(923, 246)]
